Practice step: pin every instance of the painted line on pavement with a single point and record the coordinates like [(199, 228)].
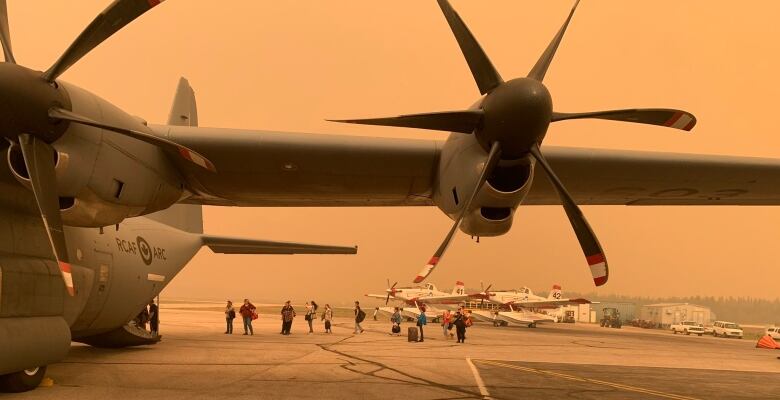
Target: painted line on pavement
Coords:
[(480, 383), (586, 380)]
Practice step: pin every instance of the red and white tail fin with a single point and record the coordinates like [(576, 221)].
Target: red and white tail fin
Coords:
[(555, 293), (459, 288)]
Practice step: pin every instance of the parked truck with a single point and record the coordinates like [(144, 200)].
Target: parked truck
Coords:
[(611, 318), (688, 328)]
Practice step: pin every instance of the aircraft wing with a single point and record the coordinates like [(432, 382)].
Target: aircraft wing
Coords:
[(228, 245), (380, 296), (549, 303), (260, 168)]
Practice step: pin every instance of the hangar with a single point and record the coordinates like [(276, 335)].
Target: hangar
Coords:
[(670, 313)]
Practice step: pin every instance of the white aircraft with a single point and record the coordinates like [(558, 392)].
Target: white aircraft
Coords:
[(417, 296), (518, 306)]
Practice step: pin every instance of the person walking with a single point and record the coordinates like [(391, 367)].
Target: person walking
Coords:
[(154, 317), (288, 314), (422, 320), (311, 314), (360, 315), (327, 316), (461, 321), (230, 315), (142, 318), (446, 321), (247, 311), (396, 320)]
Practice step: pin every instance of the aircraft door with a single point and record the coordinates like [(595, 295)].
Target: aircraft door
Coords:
[(100, 290)]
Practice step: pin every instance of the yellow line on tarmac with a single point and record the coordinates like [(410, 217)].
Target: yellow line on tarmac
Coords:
[(588, 380)]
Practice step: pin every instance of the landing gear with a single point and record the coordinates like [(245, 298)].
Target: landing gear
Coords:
[(22, 381)]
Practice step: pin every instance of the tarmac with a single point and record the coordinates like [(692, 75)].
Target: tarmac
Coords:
[(196, 360)]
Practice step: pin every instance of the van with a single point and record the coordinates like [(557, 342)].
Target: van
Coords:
[(773, 331)]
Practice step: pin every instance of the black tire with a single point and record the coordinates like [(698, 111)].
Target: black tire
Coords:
[(22, 381), (674, 331), (700, 334), (687, 333)]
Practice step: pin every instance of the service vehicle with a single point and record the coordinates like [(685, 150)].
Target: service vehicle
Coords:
[(688, 327), (726, 329), (773, 331)]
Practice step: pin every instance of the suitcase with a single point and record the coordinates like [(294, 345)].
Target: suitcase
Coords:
[(412, 334), (396, 329)]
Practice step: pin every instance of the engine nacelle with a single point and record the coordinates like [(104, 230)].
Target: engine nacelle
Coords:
[(493, 209), (104, 177)]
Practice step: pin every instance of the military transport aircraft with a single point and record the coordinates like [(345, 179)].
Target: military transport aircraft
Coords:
[(99, 210)]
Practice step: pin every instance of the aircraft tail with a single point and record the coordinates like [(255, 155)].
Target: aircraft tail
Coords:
[(184, 112), (459, 288), (555, 293)]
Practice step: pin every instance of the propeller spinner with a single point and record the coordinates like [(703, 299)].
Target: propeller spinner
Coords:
[(512, 121)]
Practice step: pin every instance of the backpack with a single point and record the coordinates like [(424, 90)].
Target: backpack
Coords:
[(361, 315), (232, 314)]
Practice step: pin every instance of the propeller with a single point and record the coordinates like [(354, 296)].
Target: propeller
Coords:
[(165, 144), (5, 34), (115, 17), (39, 160), (510, 122), (490, 163), (390, 291), (485, 293), (33, 108)]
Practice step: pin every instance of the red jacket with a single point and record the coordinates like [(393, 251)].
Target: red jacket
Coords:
[(246, 310)]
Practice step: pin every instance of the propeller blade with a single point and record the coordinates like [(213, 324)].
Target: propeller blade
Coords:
[(676, 119), (167, 145), (115, 17), (387, 300), (393, 287), (39, 160), (482, 69), (5, 34), (490, 162), (588, 241), (448, 121), (540, 68)]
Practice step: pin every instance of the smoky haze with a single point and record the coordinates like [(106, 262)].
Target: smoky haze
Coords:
[(289, 65)]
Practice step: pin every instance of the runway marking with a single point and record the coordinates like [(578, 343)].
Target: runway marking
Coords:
[(480, 383), (589, 380)]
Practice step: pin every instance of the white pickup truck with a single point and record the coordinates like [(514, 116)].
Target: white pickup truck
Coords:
[(726, 329), (688, 327)]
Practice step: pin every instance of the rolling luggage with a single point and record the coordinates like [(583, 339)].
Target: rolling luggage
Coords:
[(412, 334), (396, 329)]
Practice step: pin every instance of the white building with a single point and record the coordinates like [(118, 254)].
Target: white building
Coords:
[(672, 313)]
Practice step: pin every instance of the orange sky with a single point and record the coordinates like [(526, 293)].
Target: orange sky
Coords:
[(289, 65)]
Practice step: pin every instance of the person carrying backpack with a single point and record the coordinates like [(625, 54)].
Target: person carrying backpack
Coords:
[(360, 315), (396, 320), (288, 314), (422, 320), (327, 316), (230, 315), (247, 312), (461, 322), (311, 314)]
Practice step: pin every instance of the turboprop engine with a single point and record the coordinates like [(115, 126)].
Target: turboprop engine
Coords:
[(492, 211), (99, 178)]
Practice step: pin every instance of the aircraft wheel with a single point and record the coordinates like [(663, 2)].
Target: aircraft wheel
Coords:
[(674, 331), (22, 381), (687, 333)]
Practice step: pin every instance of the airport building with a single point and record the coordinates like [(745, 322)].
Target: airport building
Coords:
[(671, 313)]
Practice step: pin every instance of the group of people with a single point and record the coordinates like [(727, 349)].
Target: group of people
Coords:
[(248, 313), (149, 314), (459, 320)]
